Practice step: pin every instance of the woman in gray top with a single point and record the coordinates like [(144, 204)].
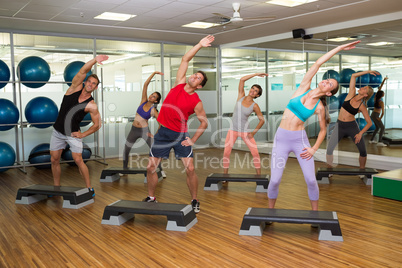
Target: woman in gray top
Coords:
[(245, 105)]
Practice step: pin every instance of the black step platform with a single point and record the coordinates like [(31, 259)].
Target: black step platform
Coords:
[(180, 217), (74, 197), (323, 173), (112, 174), (255, 219), (214, 181)]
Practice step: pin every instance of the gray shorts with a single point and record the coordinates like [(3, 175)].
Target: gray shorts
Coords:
[(58, 141)]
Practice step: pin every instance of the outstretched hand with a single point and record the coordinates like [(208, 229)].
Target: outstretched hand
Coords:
[(206, 41), (350, 45), (156, 72), (262, 74), (101, 58)]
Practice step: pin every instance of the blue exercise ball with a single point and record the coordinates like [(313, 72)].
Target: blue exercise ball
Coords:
[(363, 80), (4, 73), (362, 123), (40, 154), (72, 69), (331, 74), (67, 155), (86, 121), (370, 102), (345, 76), (7, 156), (41, 110), (341, 99), (33, 69), (9, 114), (375, 80), (333, 104)]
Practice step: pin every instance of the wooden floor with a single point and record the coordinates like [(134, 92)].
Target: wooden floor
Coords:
[(46, 235)]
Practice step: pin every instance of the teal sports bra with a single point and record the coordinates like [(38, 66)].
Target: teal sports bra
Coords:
[(296, 106)]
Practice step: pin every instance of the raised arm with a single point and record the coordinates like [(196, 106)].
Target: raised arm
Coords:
[(382, 83), (80, 76), (181, 73), (241, 93), (352, 83), (306, 82), (144, 96)]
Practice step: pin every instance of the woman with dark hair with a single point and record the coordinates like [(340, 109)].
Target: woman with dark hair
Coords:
[(245, 105), (291, 135), (377, 115), (139, 129), (347, 125)]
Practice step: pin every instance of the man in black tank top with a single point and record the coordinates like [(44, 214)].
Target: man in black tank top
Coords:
[(77, 102)]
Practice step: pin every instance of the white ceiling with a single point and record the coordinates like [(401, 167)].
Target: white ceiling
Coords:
[(161, 20)]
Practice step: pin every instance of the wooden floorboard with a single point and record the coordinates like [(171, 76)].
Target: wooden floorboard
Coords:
[(44, 234)]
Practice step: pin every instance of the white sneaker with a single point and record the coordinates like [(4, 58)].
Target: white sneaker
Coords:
[(381, 144), (372, 141), (163, 174), (362, 176)]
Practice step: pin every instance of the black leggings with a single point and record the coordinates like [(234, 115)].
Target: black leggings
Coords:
[(133, 136), (378, 125), (345, 129)]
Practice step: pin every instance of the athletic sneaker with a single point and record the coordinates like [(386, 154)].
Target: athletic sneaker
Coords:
[(92, 190), (372, 141), (196, 205), (381, 144), (163, 174), (150, 200)]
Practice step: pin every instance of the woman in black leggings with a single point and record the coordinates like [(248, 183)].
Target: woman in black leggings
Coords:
[(347, 125), (139, 129), (377, 115)]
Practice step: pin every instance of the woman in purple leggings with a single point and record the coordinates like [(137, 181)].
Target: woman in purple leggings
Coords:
[(291, 136)]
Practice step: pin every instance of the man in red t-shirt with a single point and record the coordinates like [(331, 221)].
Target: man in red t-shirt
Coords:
[(179, 104)]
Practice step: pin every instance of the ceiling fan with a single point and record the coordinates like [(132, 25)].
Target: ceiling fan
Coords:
[(237, 18)]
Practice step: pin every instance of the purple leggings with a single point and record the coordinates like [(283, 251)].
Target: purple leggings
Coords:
[(287, 141)]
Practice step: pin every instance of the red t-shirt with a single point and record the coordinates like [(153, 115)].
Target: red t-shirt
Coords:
[(176, 108)]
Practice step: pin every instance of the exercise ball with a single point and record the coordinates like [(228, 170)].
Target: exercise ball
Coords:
[(72, 69), (86, 154), (9, 114), (363, 80), (362, 123), (86, 121), (7, 156), (375, 80), (345, 76), (33, 69), (333, 104), (370, 102), (4, 73), (341, 99), (41, 110), (40, 154), (331, 74)]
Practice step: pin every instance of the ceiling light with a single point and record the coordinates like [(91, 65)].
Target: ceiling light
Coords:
[(114, 16), (289, 3), (200, 25), (377, 44), (340, 39)]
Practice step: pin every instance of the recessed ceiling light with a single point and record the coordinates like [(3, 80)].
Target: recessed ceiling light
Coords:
[(200, 25), (377, 44), (290, 3), (114, 16), (340, 39)]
